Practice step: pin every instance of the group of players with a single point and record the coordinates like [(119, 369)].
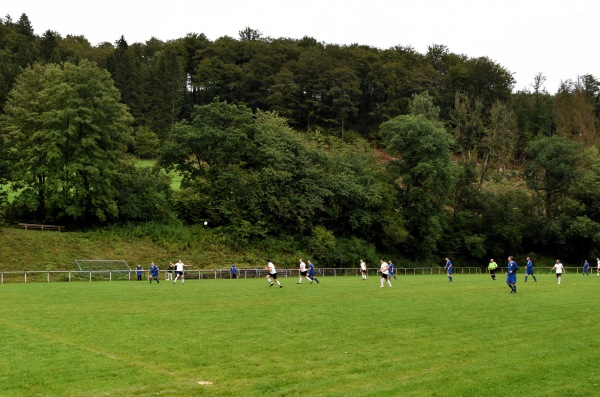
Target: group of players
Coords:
[(153, 272), (307, 271), (511, 274), (386, 271)]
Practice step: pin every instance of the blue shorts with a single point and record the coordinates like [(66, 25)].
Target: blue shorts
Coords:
[(449, 271), (511, 278), (529, 272)]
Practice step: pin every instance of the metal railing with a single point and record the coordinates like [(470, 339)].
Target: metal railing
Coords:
[(208, 274), (202, 274)]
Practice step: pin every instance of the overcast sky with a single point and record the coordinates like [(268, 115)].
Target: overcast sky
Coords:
[(556, 38)]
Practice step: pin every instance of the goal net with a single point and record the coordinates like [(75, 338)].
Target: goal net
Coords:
[(103, 269)]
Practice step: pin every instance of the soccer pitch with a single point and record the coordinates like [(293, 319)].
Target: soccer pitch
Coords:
[(342, 337)]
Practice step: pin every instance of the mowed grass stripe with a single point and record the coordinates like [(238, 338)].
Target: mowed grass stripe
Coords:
[(343, 337)]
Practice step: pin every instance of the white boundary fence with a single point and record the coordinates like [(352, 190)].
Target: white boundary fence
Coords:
[(131, 275)]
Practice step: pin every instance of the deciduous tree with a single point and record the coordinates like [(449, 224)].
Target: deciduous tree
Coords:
[(424, 177), (67, 132)]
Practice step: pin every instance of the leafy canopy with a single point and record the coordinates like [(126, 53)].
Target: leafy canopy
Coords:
[(424, 176), (67, 132)]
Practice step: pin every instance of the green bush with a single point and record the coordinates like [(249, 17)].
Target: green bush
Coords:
[(172, 234), (348, 251), (147, 144)]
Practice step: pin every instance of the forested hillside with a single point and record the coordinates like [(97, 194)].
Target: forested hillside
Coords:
[(340, 150)]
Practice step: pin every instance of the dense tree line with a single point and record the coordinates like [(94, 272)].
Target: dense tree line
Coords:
[(344, 149), (312, 84)]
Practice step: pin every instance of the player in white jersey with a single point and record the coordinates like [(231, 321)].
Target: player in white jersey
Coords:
[(559, 270), (303, 272), (385, 273), (363, 269), (598, 269), (272, 274), (179, 271)]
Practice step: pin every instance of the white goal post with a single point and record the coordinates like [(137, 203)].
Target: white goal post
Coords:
[(101, 264), (103, 269)]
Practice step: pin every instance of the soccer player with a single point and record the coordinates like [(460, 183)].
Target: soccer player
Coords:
[(139, 270), (448, 268), (586, 268), (170, 271), (363, 269), (179, 271), (559, 270), (511, 275), (529, 270), (392, 272), (153, 273), (303, 272), (385, 273), (311, 272), (272, 274), (492, 267), (598, 270), (233, 271)]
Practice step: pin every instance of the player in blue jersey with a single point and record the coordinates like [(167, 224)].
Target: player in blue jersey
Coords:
[(529, 270), (448, 268), (586, 268), (311, 272), (392, 269), (511, 275), (153, 273)]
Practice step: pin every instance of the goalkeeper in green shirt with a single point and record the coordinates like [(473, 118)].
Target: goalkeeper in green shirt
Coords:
[(492, 267)]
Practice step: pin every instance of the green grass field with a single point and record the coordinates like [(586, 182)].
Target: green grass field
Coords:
[(342, 337), (175, 176), (10, 194)]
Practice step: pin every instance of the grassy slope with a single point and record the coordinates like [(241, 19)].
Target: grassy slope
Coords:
[(343, 337), (49, 250)]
